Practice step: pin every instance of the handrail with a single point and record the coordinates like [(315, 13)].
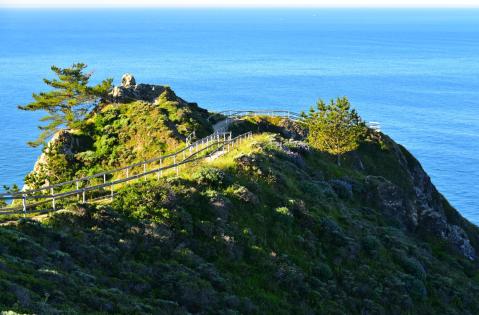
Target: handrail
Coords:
[(374, 125), (228, 113), (211, 140), (86, 178), (231, 113), (272, 113), (191, 158)]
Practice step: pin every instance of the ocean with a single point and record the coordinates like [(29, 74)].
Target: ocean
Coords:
[(414, 71)]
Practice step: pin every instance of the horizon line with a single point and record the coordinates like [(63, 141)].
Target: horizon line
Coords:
[(126, 6)]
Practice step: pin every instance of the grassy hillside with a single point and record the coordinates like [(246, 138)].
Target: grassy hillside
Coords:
[(120, 134), (272, 227)]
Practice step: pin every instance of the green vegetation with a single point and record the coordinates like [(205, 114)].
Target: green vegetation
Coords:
[(69, 102), (274, 226), (335, 128), (265, 229), (116, 135)]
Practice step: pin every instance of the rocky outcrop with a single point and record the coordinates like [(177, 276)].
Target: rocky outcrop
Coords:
[(420, 207), (64, 143), (292, 129), (128, 80), (129, 91)]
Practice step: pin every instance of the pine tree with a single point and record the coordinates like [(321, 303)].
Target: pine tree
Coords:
[(70, 100), (335, 127)]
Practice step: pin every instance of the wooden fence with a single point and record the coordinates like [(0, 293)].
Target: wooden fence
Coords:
[(105, 186), (80, 187)]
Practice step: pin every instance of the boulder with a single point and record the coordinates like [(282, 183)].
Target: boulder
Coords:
[(62, 142), (128, 80), (292, 129), (129, 91)]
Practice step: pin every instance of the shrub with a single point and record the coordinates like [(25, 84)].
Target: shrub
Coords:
[(371, 244), (413, 266), (210, 176), (146, 201), (323, 271), (243, 194), (284, 211)]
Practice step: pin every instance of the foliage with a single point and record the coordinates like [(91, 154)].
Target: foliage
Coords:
[(8, 189), (335, 128), (121, 134), (271, 227), (69, 102), (210, 176), (249, 237), (11, 189)]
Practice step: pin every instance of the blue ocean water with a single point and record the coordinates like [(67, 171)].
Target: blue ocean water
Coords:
[(415, 71)]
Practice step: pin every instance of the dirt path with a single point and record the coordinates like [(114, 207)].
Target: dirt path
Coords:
[(222, 125)]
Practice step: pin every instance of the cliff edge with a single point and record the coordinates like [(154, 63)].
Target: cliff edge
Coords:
[(271, 227)]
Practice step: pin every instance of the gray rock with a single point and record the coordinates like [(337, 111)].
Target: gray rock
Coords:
[(244, 194), (128, 80), (129, 91), (63, 142), (221, 206), (458, 238), (419, 210), (390, 199), (292, 129)]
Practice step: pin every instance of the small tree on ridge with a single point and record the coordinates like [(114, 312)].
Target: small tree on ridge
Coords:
[(335, 128), (69, 102)]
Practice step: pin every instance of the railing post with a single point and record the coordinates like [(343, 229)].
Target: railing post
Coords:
[(144, 171), (161, 167), (24, 203), (111, 192), (104, 178), (83, 195), (78, 187), (127, 172), (176, 166), (53, 199)]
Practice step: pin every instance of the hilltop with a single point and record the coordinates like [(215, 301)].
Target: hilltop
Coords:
[(271, 227), (138, 122)]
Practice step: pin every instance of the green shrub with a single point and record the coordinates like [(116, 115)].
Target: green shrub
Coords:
[(323, 271), (284, 211), (371, 244), (210, 176)]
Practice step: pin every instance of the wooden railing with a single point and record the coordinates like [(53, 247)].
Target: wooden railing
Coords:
[(198, 150), (235, 114), (80, 187), (271, 113)]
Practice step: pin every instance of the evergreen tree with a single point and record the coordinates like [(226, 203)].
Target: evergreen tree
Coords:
[(70, 100), (335, 127)]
